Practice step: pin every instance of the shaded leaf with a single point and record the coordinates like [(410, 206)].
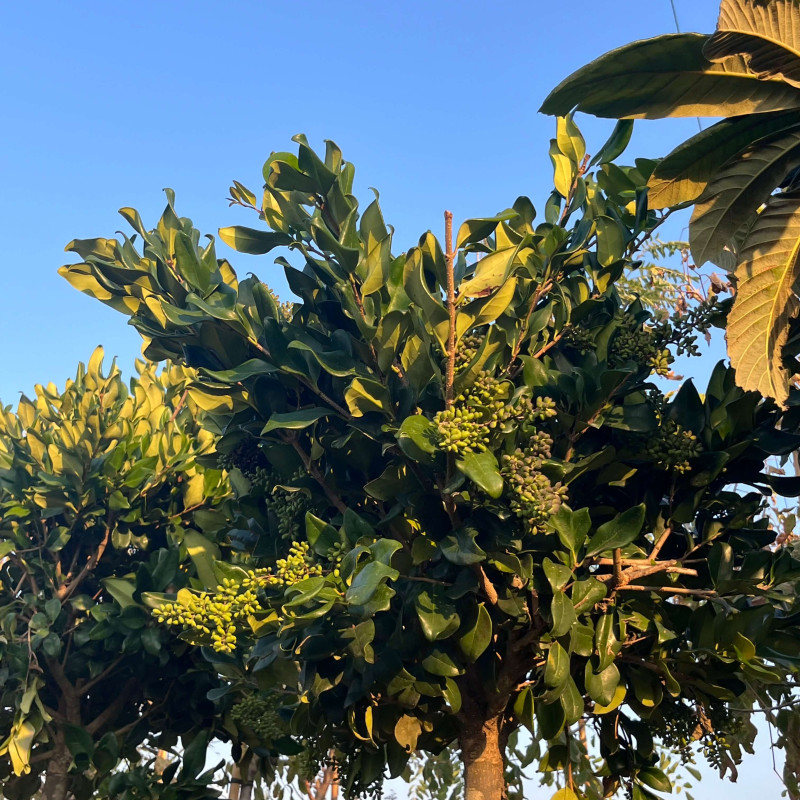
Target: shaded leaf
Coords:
[(667, 76), (766, 299)]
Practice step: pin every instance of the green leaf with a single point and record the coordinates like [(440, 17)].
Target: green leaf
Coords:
[(563, 614), (490, 273), (570, 140), (439, 663), (295, 420), (436, 613), (475, 641), (417, 437), (619, 532), (367, 582), (616, 143), (767, 283), (556, 669), (406, 732), (203, 553), (602, 686), (460, 548), (606, 640), (252, 241), (524, 707), (482, 469), (572, 527), (364, 396), (737, 190), (476, 230), (189, 265), (320, 535), (655, 779), (667, 76), (610, 240), (587, 594), (78, 740), (121, 590)]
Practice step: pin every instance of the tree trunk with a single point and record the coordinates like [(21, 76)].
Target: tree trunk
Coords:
[(56, 782), (483, 753)]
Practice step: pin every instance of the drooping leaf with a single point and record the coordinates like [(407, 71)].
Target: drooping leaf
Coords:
[(684, 173), (668, 76), (737, 190), (766, 299), (766, 34)]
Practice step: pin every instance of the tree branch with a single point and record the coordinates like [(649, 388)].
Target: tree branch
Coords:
[(449, 258), (314, 472)]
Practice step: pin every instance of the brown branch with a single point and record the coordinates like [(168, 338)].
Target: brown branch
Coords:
[(86, 687), (668, 590), (618, 578), (662, 540), (112, 709), (314, 472), (571, 193), (486, 585), (179, 406), (65, 590), (449, 258), (307, 383)]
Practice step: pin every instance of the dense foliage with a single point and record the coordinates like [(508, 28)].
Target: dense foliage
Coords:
[(747, 71), (102, 499), (468, 504)]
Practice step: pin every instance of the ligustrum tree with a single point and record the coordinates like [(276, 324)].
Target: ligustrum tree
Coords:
[(470, 507), (102, 498), (748, 72)]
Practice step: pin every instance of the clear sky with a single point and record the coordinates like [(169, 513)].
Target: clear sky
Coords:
[(434, 102)]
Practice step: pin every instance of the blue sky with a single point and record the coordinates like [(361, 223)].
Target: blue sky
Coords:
[(434, 102)]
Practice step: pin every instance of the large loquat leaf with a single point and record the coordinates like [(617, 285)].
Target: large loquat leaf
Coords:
[(737, 190), (766, 298), (668, 76), (683, 175), (766, 34)]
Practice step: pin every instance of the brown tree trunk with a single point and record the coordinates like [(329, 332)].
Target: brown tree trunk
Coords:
[(56, 782), (483, 753)]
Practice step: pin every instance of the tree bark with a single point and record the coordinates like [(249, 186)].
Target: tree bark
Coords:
[(483, 753), (56, 782)]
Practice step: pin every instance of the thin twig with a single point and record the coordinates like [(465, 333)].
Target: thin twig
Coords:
[(312, 469), (668, 590), (449, 258)]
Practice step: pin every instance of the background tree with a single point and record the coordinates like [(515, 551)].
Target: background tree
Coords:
[(472, 509), (748, 72), (103, 497)]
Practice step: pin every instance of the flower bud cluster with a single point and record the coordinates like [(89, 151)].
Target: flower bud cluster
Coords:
[(639, 344), (672, 447), (578, 338), (467, 350), (222, 613), (534, 498), (259, 713), (484, 409)]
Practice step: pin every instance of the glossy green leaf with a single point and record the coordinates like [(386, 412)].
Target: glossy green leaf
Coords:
[(478, 637), (294, 420), (436, 613), (252, 241), (483, 470), (460, 547), (602, 686), (619, 532), (440, 663)]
